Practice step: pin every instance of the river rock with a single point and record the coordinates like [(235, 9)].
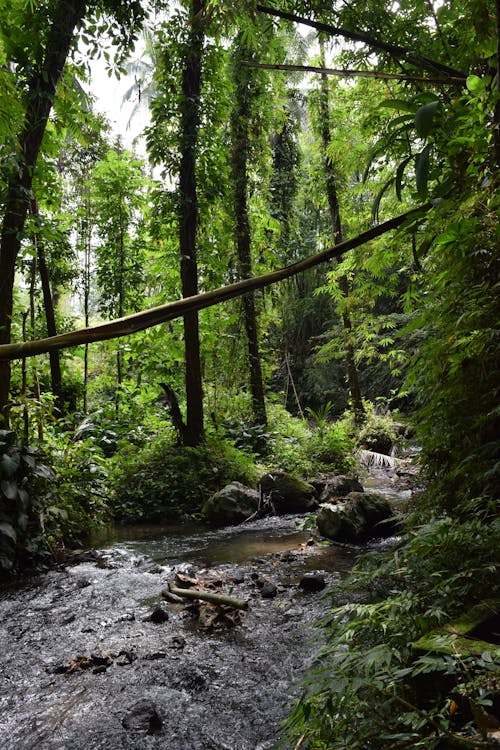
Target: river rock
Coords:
[(143, 716), (356, 517), (334, 487), (312, 583), (268, 590), (233, 504), (287, 493), (158, 615)]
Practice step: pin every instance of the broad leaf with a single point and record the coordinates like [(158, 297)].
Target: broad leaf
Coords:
[(424, 117), (9, 489), (7, 530), (9, 464)]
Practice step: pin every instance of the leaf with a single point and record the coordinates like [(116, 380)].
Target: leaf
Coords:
[(422, 171), (7, 437), (380, 195), (424, 117), (9, 489), (399, 104), (399, 176), (475, 84), (8, 530), (9, 464)]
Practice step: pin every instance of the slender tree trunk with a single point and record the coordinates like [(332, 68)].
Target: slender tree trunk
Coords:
[(67, 16), (50, 318), (333, 204), (240, 146), (496, 119), (193, 433), (86, 236)]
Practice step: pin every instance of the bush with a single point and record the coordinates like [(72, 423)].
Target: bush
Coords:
[(377, 434), (162, 481)]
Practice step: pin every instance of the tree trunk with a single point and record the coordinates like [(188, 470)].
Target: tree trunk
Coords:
[(333, 204), (67, 16), (145, 319), (240, 146), (48, 304), (188, 221)]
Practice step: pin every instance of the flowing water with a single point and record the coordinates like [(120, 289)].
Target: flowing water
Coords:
[(223, 690)]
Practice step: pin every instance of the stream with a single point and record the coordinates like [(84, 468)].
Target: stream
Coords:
[(172, 684)]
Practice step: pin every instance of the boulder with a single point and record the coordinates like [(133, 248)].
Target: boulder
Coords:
[(233, 504), (288, 494), (334, 487), (356, 517)]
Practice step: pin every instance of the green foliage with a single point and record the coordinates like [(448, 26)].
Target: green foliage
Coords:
[(161, 481), (369, 687), (47, 500), (377, 433)]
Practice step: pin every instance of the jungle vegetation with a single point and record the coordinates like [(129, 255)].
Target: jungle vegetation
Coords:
[(308, 246)]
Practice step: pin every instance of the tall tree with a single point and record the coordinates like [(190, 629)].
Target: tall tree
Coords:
[(240, 129), (188, 218), (334, 208), (65, 20)]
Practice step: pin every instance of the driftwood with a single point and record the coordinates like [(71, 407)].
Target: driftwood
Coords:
[(211, 597)]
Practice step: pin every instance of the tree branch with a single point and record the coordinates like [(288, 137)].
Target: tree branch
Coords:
[(343, 73), (392, 49), (156, 315)]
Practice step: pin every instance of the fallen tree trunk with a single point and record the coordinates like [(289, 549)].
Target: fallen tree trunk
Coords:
[(156, 315), (209, 596)]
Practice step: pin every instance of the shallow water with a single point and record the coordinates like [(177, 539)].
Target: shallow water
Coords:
[(221, 690)]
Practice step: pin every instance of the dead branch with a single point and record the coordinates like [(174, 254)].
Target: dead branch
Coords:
[(209, 596)]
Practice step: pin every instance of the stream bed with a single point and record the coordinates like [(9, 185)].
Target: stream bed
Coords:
[(171, 684)]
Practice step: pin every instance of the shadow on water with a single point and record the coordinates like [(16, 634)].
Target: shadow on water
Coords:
[(222, 690)]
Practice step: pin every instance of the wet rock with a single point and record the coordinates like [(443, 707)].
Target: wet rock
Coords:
[(125, 658), (143, 717), (155, 655), (288, 494), (100, 669), (312, 583), (231, 505), (268, 591), (237, 579), (357, 517), (101, 660), (191, 679), (334, 487), (177, 642), (158, 615)]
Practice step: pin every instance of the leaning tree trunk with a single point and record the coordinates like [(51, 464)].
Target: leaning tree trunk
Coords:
[(240, 147), (67, 16), (333, 204), (193, 434)]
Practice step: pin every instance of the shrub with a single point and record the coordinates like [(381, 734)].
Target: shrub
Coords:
[(162, 481)]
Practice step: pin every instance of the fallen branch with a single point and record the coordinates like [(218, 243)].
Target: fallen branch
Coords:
[(392, 49), (209, 596), (156, 315), (349, 73)]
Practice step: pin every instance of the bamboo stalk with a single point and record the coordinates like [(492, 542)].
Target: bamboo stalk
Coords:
[(349, 73)]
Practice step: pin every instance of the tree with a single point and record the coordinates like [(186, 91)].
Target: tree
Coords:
[(334, 207), (40, 59), (240, 132)]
